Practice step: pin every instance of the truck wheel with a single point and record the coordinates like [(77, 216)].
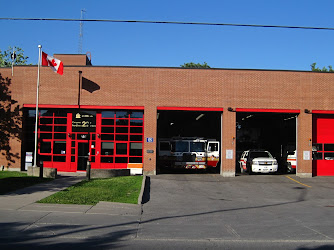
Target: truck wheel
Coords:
[(249, 169)]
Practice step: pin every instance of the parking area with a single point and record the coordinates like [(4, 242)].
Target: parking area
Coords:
[(245, 208), (181, 211)]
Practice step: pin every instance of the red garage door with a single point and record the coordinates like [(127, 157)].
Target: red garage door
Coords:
[(323, 147)]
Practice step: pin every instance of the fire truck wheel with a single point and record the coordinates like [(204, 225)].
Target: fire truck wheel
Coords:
[(241, 169)]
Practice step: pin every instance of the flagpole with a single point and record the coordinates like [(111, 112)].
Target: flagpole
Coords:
[(37, 97)]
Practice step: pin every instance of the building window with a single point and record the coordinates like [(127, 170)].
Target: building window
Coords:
[(113, 136), (122, 136), (52, 135)]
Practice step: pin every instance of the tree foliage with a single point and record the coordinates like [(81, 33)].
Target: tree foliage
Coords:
[(6, 57), (10, 120), (196, 65), (324, 69)]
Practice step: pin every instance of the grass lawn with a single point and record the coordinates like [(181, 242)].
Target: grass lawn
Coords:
[(11, 181), (123, 189)]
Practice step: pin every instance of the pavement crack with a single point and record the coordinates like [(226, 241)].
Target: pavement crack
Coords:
[(35, 222), (313, 230), (90, 208), (139, 221), (316, 231), (232, 231)]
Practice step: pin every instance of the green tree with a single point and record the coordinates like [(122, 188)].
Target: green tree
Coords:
[(196, 65), (6, 57), (324, 69)]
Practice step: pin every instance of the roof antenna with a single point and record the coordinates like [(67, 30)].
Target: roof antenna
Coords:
[(81, 31)]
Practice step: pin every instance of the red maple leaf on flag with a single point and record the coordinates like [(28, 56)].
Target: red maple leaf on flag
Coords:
[(55, 64)]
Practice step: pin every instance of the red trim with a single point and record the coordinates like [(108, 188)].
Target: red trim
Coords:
[(81, 106), (190, 109), (296, 111), (322, 111)]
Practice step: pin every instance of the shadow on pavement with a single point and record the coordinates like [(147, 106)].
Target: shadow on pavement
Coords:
[(62, 237), (147, 190)]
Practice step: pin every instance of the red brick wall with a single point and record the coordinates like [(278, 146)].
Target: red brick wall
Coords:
[(304, 139), (179, 87), (150, 130), (152, 87), (228, 142)]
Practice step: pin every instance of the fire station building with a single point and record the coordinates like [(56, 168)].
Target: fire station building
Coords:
[(117, 115)]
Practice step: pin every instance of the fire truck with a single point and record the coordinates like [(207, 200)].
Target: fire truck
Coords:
[(189, 153)]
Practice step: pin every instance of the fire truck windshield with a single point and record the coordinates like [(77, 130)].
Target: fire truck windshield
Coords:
[(180, 146), (197, 147)]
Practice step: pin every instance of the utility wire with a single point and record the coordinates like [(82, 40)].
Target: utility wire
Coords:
[(165, 22)]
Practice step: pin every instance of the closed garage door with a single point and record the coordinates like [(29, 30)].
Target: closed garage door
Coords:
[(323, 145)]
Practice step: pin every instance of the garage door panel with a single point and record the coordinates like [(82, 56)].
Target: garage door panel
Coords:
[(325, 168), (323, 132)]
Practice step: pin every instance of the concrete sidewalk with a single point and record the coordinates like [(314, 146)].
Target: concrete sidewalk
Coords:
[(25, 199), (26, 224)]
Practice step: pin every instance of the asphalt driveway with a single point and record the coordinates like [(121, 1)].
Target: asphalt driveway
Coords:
[(262, 208), (188, 211)]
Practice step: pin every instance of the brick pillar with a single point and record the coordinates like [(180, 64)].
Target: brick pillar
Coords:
[(228, 147), (304, 145), (150, 131)]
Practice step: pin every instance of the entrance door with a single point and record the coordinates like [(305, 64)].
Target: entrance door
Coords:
[(83, 150)]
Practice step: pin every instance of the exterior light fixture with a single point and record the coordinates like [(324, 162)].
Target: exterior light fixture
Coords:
[(230, 109), (199, 117), (307, 111)]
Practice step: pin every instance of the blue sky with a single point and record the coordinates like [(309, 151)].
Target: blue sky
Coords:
[(134, 44)]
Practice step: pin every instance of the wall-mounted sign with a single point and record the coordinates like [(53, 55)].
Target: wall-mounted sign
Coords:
[(29, 157), (149, 139), (84, 121), (150, 151), (229, 154), (306, 155)]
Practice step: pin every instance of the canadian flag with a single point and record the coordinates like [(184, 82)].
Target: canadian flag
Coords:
[(55, 64)]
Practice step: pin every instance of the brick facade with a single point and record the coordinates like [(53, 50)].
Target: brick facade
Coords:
[(228, 142), (180, 87)]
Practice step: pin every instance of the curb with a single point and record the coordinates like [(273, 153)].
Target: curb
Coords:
[(140, 197)]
